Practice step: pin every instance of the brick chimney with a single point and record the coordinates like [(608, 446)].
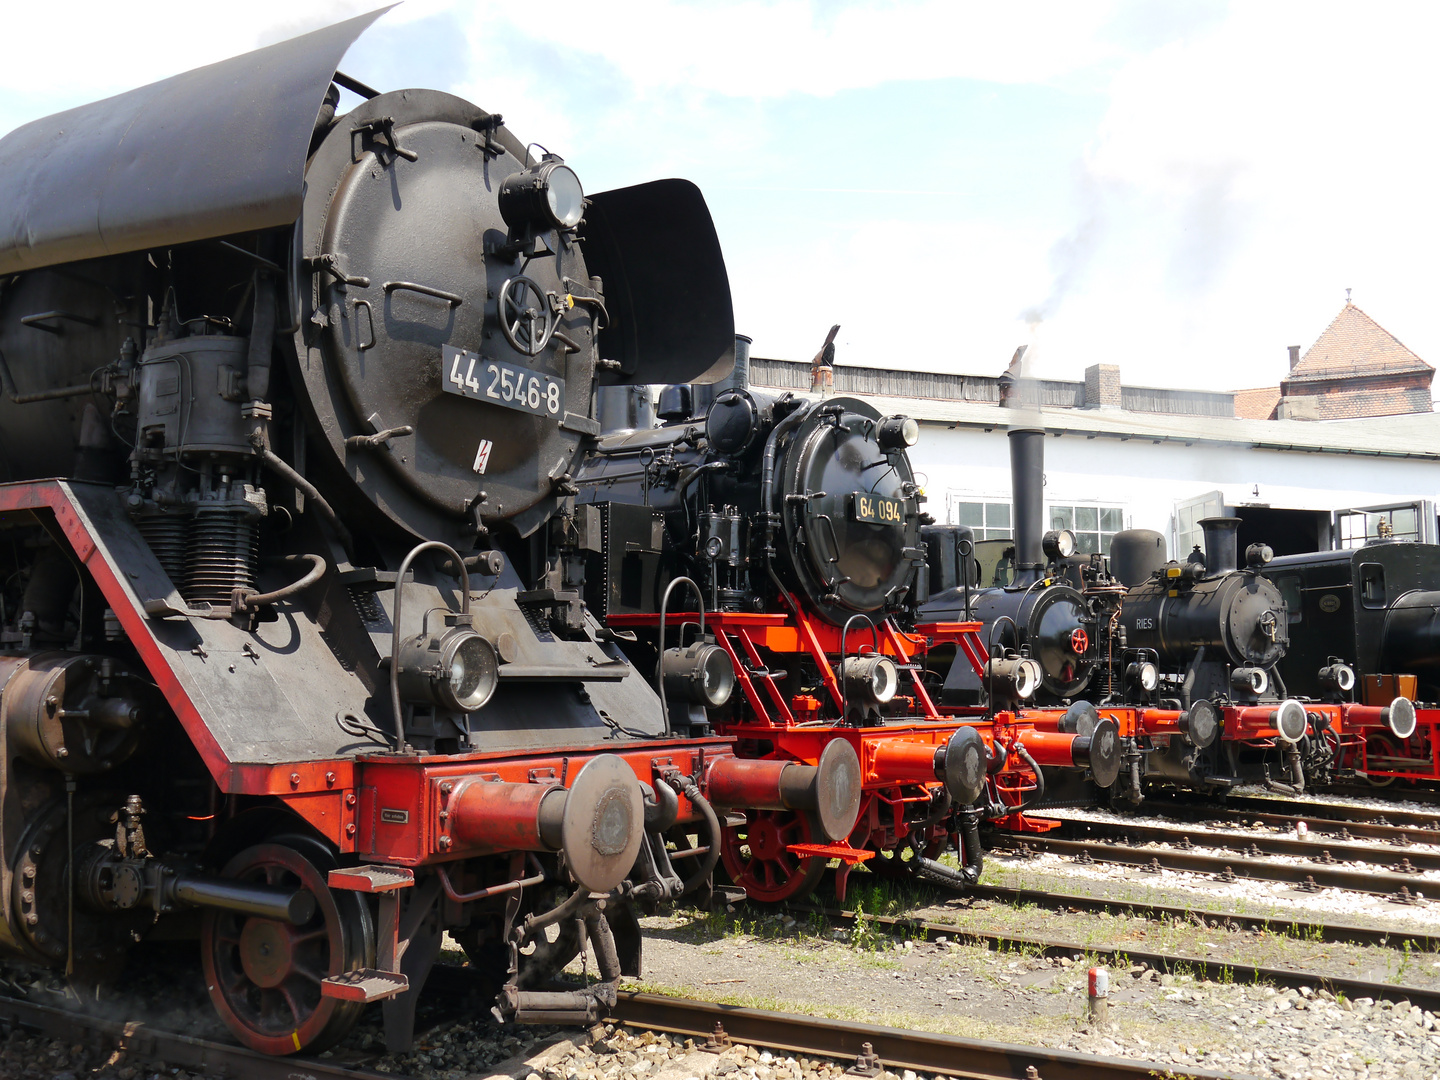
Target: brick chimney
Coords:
[(1102, 386), (1294, 356)]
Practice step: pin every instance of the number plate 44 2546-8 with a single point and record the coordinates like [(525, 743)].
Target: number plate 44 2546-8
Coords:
[(470, 375)]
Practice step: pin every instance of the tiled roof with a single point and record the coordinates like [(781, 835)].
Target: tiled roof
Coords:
[(1257, 404), (1355, 345), (1379, 401)]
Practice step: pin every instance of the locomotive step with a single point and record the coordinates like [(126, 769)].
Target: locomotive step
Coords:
[(848, 855), (364, 984), (371, 879)]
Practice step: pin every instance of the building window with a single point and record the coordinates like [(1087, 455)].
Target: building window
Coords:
[(989, 520), (1093, 526)]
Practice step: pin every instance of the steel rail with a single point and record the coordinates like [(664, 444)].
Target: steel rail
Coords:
[(1397, 788), (1393, 815), (1214, 970), (1322, 876), (1339, 933), (1358, 830), (197, 1055), (897, 1048), (1291, 846)]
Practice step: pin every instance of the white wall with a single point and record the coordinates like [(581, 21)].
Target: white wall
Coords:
[(1148, 479)]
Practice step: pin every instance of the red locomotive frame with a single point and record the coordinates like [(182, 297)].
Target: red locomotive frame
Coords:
[(896, 759)]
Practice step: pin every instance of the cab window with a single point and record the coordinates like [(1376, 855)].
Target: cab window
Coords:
[(1372, 585)]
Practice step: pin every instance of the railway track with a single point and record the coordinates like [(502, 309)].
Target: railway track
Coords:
[(1226, 867), (1400, 835), (1388, 815), (148, 1043), (1126, 955), (896, 1048), (1253, 844), (1339, 933)]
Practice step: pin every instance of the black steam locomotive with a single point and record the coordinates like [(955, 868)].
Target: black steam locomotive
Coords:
[(1182, 656), (763, 494), (1365, 625), (291, 626)]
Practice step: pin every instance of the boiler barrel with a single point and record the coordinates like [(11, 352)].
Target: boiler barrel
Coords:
[(1412, 634)]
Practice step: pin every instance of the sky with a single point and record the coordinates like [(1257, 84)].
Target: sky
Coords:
[(1182, 189)]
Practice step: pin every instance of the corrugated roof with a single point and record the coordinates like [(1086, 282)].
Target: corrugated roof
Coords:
[(1355, 345), (1415, 435), (1258, 404)]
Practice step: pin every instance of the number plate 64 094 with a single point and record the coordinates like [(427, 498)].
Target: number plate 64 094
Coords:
[(467, 374)]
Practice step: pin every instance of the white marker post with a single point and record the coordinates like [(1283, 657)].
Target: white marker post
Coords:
[(1100, 995)]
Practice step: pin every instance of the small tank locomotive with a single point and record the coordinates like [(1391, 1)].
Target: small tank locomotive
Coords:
[(1182, 658), (768, 556), (1364, 628), (292, 636)]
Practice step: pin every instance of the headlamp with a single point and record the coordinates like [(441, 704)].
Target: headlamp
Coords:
[(1337, 676), (1013, 676), (897, 433), (871, 679), (1142, 675), (548, 195), (700, 673), (1058, 544), (1249, 680), (456, 670)]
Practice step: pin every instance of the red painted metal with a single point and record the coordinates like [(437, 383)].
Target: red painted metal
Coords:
[(1049, 747), (482, 817), (843, 852), (752, 784), (896, 641), (897, 761), (402, 797), (1383, 757)]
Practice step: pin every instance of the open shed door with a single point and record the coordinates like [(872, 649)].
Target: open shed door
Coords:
[(1188, 513), (1415, 520)]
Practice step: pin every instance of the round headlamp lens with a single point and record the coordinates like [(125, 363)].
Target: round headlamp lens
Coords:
[(471, 672), (897, 432), (1147, 676), (564, 196), (719, 676), (884, 679)]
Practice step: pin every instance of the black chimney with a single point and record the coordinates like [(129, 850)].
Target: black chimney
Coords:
[(1027, 486), (1221, 545)]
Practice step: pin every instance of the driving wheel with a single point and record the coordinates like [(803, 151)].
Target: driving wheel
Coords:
[(1380, 746), (264, 975), (756, 858)]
